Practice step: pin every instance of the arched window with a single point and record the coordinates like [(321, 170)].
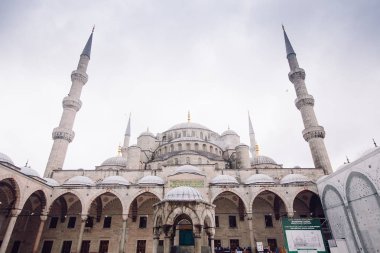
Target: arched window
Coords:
[(165, 150), (211, 149), (201, 135), (179, 147), (184, 133), (187, 160), (176, 161), (204, 147), (196, 146), (187, 146), (164, 138), (171, 148)]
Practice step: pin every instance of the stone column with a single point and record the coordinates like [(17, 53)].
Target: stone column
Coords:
[(212, 243), (43, 218), (9, 231), (197, 243), (123, 234), (82, 225), (167, 244), (156, 239), (251, 234)]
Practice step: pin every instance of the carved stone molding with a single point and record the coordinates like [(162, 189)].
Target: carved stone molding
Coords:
[(63, 133), (313, 132), (304, 100), (72, 103)]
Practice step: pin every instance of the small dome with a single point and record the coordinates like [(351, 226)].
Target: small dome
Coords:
[(5, 158), (187, 125), (262, 160), (259, 179), (151, 180), (29, 172), (79, 180), (147, 133), (188, 169), (294, 178), (114, 180), (50, 181), (224, 180), (229, 132), (183, 193), (115, 161)]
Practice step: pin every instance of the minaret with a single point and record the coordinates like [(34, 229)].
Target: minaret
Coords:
[(252, 138), (313, 133), (127, 136), (64, 134)]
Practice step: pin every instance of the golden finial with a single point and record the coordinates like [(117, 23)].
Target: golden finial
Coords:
[(119, 150), (188, 116), (257, 150)]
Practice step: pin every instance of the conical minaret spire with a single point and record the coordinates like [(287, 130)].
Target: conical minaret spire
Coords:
[(127, 136), (313, 132), (252, 137), (64, 134)]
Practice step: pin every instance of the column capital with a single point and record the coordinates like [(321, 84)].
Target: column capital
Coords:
[(84, 217), (125, 217)]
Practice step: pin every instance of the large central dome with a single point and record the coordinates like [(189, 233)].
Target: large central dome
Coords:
[(187, 125)]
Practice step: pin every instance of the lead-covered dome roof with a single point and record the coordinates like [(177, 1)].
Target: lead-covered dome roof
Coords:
[(50, 181), (29, 171), (188, 169), (147, 133), (224, 180), (262, 160), (5, 158), (151, 180), (229, 132), (114, 180), (183, 193), (294, 179), (115, 161), (79, 180), (187, 125), (259, 179)]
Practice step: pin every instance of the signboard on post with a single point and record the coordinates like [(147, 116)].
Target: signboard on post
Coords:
[(303, 235), (260, 246)]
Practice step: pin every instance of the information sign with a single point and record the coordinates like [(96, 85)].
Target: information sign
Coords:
[(303, 235)]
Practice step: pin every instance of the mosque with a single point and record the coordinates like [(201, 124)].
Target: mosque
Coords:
[(186, 189)]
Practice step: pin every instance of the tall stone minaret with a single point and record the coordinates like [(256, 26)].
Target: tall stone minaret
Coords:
[(64, 134), (252, 138), (313, 133), (127, 136)]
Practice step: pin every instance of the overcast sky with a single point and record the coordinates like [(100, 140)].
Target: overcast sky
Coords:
[(159, 59)]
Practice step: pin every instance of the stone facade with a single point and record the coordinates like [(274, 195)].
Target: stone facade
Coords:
[(188, 188), (350, 197)]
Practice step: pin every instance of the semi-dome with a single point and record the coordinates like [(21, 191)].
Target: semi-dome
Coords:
[(50, 181), (29, 172), (188, 169), (259, 179), (115, 161), (229, 132), (262, 160), (224, 180), (183, 193), (114, 180), (151, 180), (79, 180), (187, 125), (5, 158), (294, 178)]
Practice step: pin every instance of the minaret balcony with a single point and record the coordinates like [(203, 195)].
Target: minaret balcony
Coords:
[(79, 76), (313, 132), (63, 133), (304, 100), (71, 103), (297, 74)]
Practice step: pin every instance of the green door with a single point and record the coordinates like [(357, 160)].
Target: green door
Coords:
[(186, 238)]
